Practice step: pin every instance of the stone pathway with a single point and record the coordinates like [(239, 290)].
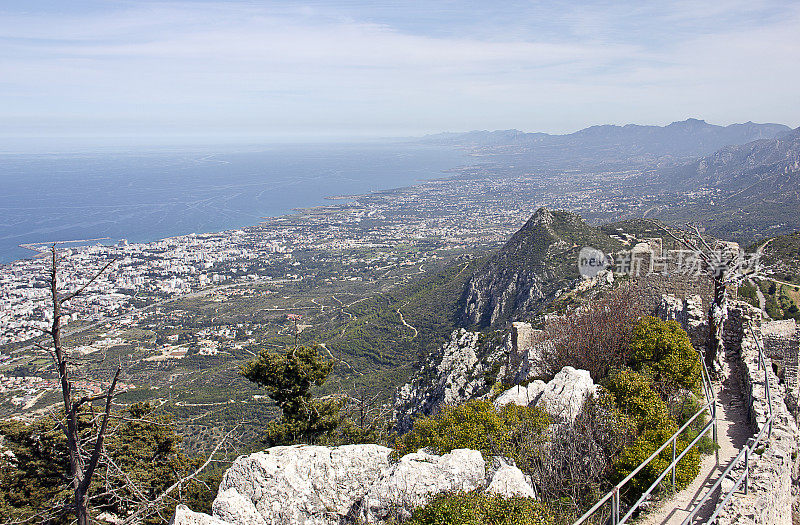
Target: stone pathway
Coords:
[(733, 431)]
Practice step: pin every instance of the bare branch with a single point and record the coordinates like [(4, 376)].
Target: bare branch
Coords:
[(146, 508), (90, 281), (98, 445)]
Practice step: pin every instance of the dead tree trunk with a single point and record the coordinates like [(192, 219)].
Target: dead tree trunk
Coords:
[(82, 463), (724, 268), (717, 313)]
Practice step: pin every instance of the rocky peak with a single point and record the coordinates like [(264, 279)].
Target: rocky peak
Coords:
[(538, 260)]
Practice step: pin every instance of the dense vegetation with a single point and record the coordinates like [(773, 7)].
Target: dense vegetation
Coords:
[(512, 432), (476, 508), (144, 459), (650, 389)]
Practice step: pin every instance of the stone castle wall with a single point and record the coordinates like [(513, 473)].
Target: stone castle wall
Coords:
[(773, 468)]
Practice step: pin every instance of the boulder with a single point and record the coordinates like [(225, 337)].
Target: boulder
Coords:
[(509, 481), (521, 395), (313, 485), (562, 397), (232, 507), (184, 516), (565, 395), (300, 484), (417, 477)]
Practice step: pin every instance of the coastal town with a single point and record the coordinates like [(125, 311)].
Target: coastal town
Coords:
[(353, 239), (359, 239)]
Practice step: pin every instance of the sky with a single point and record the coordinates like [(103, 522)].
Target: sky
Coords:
[(286, 71)]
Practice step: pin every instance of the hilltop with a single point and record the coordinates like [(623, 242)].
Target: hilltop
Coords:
[(538, 260), (611, 144)]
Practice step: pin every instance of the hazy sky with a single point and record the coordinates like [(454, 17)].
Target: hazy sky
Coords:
[(359, 68)]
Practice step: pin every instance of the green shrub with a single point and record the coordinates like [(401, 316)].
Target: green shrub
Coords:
[(476, 508), (663, 351), (648, 414), (642, 448), (476, 425), (636, 400)]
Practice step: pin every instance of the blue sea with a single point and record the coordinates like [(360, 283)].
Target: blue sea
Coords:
[(145, 196)]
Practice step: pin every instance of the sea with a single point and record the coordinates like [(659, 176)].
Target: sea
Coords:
[(144, 196)]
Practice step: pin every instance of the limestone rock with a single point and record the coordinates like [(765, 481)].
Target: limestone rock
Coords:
[(688, 313), (312, 485), (233, 507), (417, 477), (509, 481), (458, 371), (562, 398), (520, 395), (184, 516)]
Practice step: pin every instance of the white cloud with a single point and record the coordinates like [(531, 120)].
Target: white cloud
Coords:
[(226, 66)]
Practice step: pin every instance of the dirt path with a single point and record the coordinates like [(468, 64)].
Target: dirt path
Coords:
[(733, 431), (402, 320)]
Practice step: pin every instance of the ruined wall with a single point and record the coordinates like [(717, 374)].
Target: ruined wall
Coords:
[(780, 345), (773, 468), (648, 290)]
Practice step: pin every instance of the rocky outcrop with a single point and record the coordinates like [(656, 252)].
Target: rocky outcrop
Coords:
[(527, 350), (412, 481), (184, 516), (527, 272), (562, 398), (314, 485), (521, 395), (462, 369), (508, 481), (688, 313)]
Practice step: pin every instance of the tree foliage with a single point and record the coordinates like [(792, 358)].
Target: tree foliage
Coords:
[(288, 379), (663, 351), (142, 459), (34, 470)]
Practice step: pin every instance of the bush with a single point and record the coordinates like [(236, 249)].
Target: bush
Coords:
[(636, 400), (479, 426), (663, 351), (642, 448), (648, 414), (476, 508), (595, 337), (575, 463)]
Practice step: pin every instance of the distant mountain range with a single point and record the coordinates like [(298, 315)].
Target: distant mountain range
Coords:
[(753, 189), (770, 162), (609, 144)]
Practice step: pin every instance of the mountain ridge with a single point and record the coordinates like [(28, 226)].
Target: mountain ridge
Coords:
[(530, 268), (688, 138)]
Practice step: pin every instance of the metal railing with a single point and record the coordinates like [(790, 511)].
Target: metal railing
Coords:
[(746, 452), (614, 494)]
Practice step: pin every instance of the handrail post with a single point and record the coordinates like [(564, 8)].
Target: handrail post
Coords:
[(615, 506), (674, 466), (747, 464), (714, 418)]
